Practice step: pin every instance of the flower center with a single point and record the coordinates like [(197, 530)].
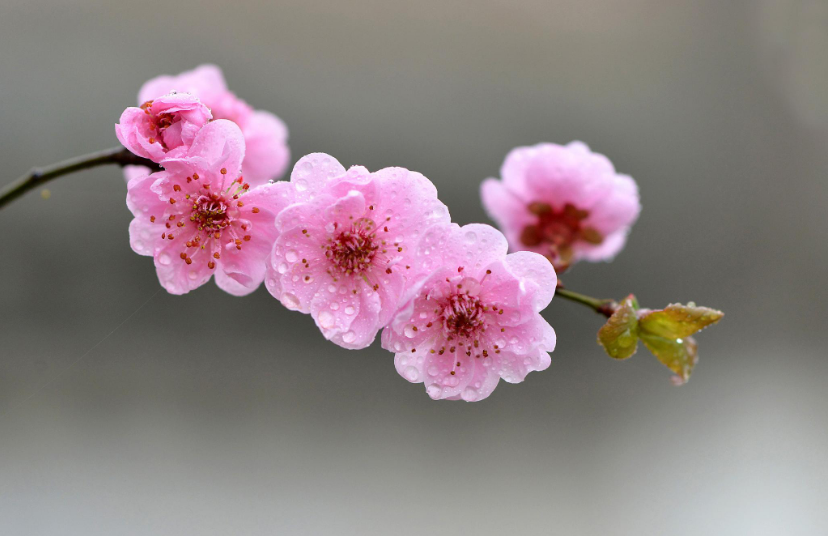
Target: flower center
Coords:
[(463, 316), (353, 250), (558, 230), (210, 213), (157, 122)]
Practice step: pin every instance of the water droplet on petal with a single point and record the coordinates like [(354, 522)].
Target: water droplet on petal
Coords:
[(291, 256), (326, 320), (412, 374), (469, 394), (433, 371), (434, 391), (349, 310), (164, 259), (282, 268), (409, 331), (290, 301), (349, 337), (304, 169)]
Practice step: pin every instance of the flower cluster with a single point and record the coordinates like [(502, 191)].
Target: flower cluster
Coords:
[(265, 135), (361, 251)]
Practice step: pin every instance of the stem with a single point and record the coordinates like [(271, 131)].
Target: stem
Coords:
[(38, 176), (604, 307)]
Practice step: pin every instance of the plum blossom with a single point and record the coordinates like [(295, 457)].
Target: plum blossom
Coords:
[(474, 318), (198, 217), (346, 246), (564, 202), (265, 135), (164, 127)]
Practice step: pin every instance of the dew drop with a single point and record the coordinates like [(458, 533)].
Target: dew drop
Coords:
[(304, 169), (349, 336), (334, 306), (469, 394), (326, 320), (409, 331), (434, 391), (282, 268), (192, 275), (301, 185), (291, 256), (349, 310), (470, 237), (412, 374), (164, 259), (290, 301), (433, 371)]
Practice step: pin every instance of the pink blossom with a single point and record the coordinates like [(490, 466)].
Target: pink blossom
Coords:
[(265, 134), (475, 317), (345, 252), (164, 127), (198, 217), (564, 202)]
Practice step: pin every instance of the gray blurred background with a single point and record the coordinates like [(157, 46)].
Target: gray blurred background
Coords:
[(124, 410)]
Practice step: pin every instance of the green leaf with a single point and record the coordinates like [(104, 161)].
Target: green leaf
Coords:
[(677, 321), (619, 336), (679, 355)]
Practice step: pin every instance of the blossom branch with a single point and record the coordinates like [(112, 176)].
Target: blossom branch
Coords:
[(605, 307), (39, 176)]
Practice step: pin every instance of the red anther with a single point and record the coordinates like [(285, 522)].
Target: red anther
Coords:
[(188, 260), (246, 186), (177, 188), (211, 265), (217, 255), (247, 238), (195, 176), (255, 210), (152, 219), (172, 201), (239, 204), (223, 171), (184, 255)]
